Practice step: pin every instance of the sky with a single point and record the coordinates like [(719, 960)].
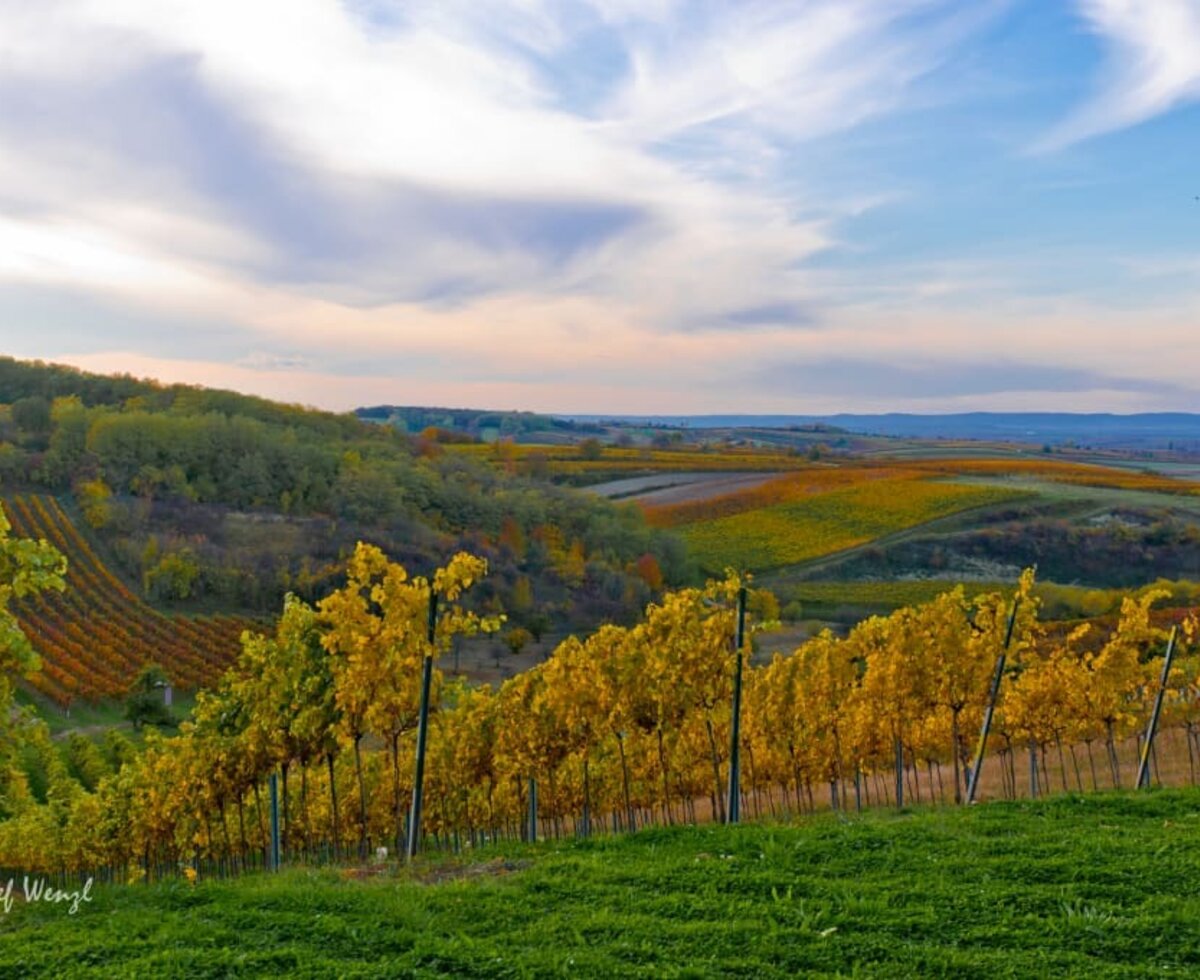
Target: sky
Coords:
[(610, 206)]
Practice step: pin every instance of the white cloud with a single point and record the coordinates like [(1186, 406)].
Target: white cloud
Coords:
[(1153, 66), (449, 193), (795, 71), (454, 99)]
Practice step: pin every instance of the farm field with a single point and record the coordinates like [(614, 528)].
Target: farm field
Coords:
[(1179, 496), (95, 635), (787, 533), (613, 461), (673, 488), (1102, 885), (1083, 537), (800, 523)]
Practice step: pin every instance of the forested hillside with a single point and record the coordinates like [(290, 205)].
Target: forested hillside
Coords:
[(211, 499)]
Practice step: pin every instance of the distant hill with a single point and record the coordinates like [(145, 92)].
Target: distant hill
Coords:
[(209, 501), (486, 425), (1155, 430)]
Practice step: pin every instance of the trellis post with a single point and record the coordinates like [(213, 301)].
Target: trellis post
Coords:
[(993, 695), (1143, 776), (414, 820), (734, 809)]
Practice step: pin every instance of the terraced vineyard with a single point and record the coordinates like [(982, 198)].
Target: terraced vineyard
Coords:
[(95, 636)]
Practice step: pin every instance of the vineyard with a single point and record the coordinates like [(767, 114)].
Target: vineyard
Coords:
[(788, 488), (95, 635), (629, 728), (812, 524), (820, 510), (1078, 474)]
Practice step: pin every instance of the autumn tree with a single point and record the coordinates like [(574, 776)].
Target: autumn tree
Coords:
[(376, 630), (27, 567)]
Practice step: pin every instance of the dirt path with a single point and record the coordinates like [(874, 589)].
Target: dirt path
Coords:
[(89, 730)]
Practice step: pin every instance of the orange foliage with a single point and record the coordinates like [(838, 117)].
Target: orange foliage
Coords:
[(648, 570), (95, 636)]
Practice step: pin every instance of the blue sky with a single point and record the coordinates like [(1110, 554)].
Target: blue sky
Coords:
[(610, 206)]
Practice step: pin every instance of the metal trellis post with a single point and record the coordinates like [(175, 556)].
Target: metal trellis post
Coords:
[(414, 820), (1143, 776), (734, 810), (993, 695)]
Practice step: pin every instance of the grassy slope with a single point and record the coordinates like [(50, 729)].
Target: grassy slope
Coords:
[(1103, 886)]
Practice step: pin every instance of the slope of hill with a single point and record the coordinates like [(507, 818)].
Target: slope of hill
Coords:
[(220, 501), (95, 636)]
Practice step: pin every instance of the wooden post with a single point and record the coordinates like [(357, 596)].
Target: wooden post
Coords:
[(414, 820), (899, 773), (1143, 776), (734, 809), (993, 695)]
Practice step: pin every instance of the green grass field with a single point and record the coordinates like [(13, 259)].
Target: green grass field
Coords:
[(1100, 886), (94, 718)]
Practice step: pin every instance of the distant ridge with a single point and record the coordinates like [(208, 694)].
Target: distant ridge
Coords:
[(1143, 430)]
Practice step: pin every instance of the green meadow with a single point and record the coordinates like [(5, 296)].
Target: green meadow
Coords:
[(1099, 886)]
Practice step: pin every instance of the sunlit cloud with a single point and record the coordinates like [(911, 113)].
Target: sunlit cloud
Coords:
[(588, 206), (1152, 66)]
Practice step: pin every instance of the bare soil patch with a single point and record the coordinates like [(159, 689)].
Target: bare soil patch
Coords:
[(700, 486)]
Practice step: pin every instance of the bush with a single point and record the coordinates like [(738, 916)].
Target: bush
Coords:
[(517, 639), (144, 702)]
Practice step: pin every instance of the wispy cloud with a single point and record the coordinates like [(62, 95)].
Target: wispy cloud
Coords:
[(1153, 65), (381, 153), (575, 204)]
